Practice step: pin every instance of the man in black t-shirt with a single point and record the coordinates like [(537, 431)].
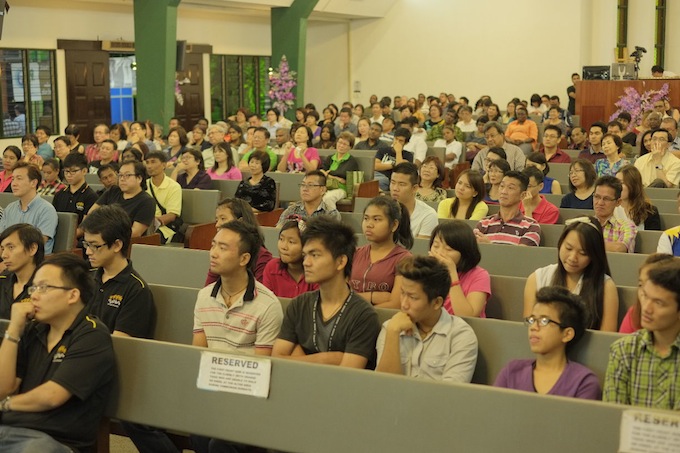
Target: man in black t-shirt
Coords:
[(387, 158), (23, 249), (77, 197), (131, 195), (332, 325), (56, 364)]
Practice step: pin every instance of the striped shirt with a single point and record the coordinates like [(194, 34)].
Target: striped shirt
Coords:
[(252, 321), (617, 230), (638, 375), (520, 230)]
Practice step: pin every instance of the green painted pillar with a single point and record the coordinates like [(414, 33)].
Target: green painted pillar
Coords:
[(156, 52), (289, 38)]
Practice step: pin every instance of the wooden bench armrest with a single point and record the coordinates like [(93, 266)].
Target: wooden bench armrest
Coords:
[(269, 219), (199, 236)]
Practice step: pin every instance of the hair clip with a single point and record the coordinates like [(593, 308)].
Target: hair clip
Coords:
[(582, 219), (302, 223)]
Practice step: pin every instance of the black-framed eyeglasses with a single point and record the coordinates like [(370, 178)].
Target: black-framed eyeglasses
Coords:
[(72, 171), (91, 246), (542, 321), (44, 288)]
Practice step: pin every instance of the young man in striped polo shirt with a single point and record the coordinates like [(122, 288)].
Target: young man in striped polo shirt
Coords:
[(509, 225)]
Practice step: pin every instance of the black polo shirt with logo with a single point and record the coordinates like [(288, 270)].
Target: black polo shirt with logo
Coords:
[(124, 303), (78, 202), (7, 281), (83, 363)]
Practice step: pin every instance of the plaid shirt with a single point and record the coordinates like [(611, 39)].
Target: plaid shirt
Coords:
[(617, 230), (50, 188), (638, 375)]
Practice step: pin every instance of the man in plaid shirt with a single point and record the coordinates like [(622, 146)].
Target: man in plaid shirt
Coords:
[(644, 367), (619, 234)]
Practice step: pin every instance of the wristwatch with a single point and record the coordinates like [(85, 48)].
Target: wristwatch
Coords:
[(11, 338), (4, 405)]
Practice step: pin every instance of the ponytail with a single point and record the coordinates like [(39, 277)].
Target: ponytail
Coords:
[(396, 211)]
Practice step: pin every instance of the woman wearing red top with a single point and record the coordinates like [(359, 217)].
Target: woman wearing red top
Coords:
[(10, 157), (285, 275), (386, 224)]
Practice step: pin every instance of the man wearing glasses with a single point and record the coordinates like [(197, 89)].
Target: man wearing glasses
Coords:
[(77, 197), (551, 138), (495, 138), (311, 202), (659, 168), (131, 196), (619, 235), (56, 364)]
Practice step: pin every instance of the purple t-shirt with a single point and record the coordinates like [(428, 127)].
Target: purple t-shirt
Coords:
[(576, 380)]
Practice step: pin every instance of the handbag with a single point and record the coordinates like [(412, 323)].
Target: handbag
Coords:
[(175, 225)]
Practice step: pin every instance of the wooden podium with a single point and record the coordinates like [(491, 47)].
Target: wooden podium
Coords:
[(595, 98)]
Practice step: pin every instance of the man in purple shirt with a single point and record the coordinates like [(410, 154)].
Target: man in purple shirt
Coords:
[(557, 322)]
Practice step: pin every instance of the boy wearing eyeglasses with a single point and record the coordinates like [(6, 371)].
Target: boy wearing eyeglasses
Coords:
[(78, 197), (556, 324), (424, 341), (122, 299), (56, 364)]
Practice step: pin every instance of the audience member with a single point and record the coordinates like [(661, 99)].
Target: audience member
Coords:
[(550, 185), (635, 205), (190, 171), (131, 196), (99, 134), (118, 134), (386, 227), (669, 241), (77, 197), (582, 178), (108, 177), (10, 157), (51, 183), (373, 142), (583, 269), (578, 139), (659, 168), (403, 188), (619, 235), (167, 195), (284, 275), (332, 325), (432, 175), (260, 142), (522, 132), (612, 162), (416, 144), (643, 367), (198, 140), (454, 245), (177, 145), (30, 207), (22, 249), (311, 204), (53, 400), (534, 204), (29, 145), (509, 225), (626, 150), (259, 191), (551, 140), (497, 167), (106, 152), (301, 156), (344, 122), (594, 152), (454, 148), (387, 158), (439, 346), (336, 168), (43, 133), (495, 138), (224, 168), (556, 324), (468, 202)]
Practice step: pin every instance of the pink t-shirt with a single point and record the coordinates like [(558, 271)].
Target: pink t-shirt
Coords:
[(234, 174), (295, 163), (627, 323), (475, 280), (378, 276)]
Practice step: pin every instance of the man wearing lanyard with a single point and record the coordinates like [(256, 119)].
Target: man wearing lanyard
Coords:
[(332, 325)]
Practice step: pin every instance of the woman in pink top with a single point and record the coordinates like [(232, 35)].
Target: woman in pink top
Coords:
[(10, 157), (454, 244), (386, 224), (224, 167), (284, 275), (300, 157), (631, 322)]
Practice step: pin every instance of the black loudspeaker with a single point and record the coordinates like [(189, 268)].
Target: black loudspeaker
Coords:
[(181, 54)]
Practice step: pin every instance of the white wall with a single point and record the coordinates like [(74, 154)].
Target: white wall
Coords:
[(673, 42), (328, 73), (641, 30)]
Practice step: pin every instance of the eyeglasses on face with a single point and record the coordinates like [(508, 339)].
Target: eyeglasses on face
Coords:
[(542, 321), (126, 175), (91, 246), (43, 288)]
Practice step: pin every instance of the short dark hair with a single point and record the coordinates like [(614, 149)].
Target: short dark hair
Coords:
[(403, 132), (657, 68), (458, 235), (33, 171), (521, 177), (600, 124), (667, 275), (72, 129), (30, 138), (75, 272), (408, 168), (28, 235), (52, 162), (493, 125), (500, 152), (553, 128), (136, 154), (263, 157), (612, 182), (570, 308), (625, 116), (319, 174), (432, 276), (250, 240), (264, 130), (140, 170), (346, 110), (614, 124), (535, 173), (75, 160), (346, 135), (45, 129), (336, 237), (664, 131), (112, 223), (160, 155), (110, 142), (198, 157), (588, 172), (105, 167), (63, 138)]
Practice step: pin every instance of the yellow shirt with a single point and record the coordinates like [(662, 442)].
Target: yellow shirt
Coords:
[(444, 209)]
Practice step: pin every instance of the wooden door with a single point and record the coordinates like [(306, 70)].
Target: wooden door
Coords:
[(88, 90), (192, 91)]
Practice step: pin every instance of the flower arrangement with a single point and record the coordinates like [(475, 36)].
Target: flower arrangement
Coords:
[(281, 82), (636, 104), (178, 91)]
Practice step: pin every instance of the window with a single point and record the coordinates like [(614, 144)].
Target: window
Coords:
[(27, 94), (238, 81)]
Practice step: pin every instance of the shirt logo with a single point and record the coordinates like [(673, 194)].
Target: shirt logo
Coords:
[(80, 206), (59, 356), (115, 300)]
